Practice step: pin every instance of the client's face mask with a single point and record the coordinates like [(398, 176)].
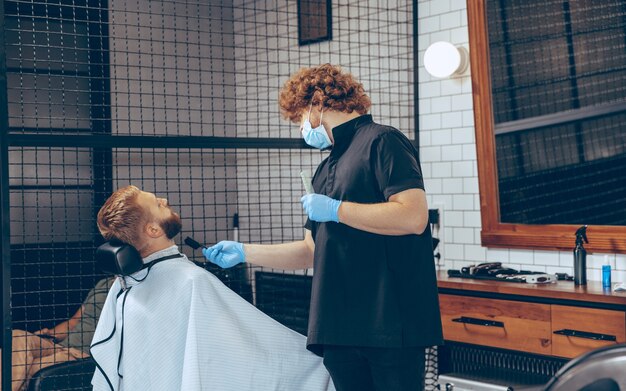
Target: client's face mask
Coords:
[(315, 137)]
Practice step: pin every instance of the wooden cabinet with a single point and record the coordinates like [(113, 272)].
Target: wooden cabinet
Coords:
[(577, 330), (496, 323), (561, 320)]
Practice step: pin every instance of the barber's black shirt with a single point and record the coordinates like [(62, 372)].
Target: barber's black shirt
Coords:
[(370, 289)]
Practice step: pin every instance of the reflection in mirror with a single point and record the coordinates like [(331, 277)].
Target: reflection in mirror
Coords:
[(558, 89)]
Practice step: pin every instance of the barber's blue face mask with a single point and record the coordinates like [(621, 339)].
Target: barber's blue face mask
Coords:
[(315, 137)]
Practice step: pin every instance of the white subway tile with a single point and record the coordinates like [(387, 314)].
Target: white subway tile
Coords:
[(463, 136), (452, 218), (458, 5), (463, 202), (447, 233), (430, 121), (441, 137), (498, 255), (466, 85), (460, 36), (620, 262), (524, 257), (439, 7), (424, 106), (452, 152), (468, 118), (442, 170), (423, 41), (430, 89), (450, 20), (453, 119), (441, 35), (444, 104), (423, 75), (464, 17), (472, 219), (476, 201), (463, 235), (475, 253), (430, 154), (462, 102), (547, 258), (452, 185), (451, 87), (594, 274), (462, 169), (433, 185), (470, 185), (428, 25), (442, 199), (469, 152), (427, 170), (477, 235), (423, 9), (425, 138), (452, 251)]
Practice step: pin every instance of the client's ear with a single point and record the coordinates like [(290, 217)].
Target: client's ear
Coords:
[(154, 230)]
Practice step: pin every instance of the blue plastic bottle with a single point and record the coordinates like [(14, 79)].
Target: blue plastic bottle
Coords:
[(606, 273)]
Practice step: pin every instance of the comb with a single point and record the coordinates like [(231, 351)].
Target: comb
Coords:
[(192, 243)]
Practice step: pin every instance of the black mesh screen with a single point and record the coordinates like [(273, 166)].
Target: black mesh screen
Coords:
[(558, 82), (178, 98)]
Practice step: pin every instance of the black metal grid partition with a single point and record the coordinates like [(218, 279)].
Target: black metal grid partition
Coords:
[(178, 98)]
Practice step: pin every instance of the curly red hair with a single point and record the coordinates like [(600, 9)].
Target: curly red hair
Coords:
[(325, 86)]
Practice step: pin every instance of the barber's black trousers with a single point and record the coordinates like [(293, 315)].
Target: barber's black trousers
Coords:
[(375, 369)]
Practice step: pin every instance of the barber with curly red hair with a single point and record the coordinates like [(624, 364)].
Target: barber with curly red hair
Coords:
[(374, 304)]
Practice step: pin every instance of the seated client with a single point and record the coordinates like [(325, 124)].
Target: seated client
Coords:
[(174, 326)]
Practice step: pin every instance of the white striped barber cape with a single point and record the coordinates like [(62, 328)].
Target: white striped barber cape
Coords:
[(182, 329)]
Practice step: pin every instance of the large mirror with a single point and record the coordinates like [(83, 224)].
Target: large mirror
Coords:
[(549, 85)]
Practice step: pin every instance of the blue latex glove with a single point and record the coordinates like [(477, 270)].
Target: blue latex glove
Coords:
[(321, 208), (225, 254)]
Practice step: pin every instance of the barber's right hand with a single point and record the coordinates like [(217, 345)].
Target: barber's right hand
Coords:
[(225, 254)]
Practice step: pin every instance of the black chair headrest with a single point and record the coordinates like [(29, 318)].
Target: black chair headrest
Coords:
[(118, 258)]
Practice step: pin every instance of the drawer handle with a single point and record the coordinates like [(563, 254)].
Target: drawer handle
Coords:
[(479, 322), (585, 334)]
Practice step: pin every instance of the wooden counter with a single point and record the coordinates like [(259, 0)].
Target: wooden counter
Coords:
[(557, 319), (591, 295)]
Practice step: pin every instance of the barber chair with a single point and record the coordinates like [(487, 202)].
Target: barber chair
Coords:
[(71, 375), (602, 369)]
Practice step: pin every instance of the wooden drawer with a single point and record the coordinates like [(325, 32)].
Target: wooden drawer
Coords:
[(577, 330), (497, 323)]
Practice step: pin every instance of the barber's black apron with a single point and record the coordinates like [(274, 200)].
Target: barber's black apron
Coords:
[(369, 289)]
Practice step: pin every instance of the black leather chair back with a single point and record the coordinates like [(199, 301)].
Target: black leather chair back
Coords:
[(603, 369)]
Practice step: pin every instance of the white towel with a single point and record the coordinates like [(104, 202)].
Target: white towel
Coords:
[(183, 329)]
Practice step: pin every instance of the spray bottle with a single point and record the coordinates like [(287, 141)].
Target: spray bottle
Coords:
[(580, 257), (606, 273)]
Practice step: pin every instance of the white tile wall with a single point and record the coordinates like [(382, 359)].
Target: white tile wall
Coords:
[(447, 126)]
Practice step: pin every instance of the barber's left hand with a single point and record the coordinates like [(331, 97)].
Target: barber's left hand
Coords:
[(321, 208)]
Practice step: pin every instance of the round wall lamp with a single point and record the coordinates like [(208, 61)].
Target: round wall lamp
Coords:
[(443, 59)]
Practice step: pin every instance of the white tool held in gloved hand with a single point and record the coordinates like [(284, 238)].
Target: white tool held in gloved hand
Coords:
[(306, 181)]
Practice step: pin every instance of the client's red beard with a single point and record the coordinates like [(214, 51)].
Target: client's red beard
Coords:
[(172, 225)]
